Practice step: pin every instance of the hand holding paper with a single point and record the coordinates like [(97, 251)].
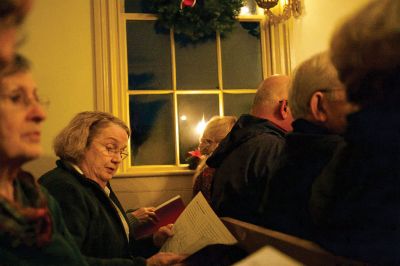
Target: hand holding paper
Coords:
[(198, 226), (162, 235), (166, 213)]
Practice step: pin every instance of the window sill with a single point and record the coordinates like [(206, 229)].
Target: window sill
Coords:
[(155, 172)]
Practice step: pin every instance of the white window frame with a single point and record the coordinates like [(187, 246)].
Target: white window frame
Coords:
[(111, 77)]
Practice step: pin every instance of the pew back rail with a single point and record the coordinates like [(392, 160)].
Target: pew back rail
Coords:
[(252, 237)]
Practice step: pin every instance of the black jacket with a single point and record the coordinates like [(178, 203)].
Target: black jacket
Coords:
[(243, 161), (285, 203), (356, 200), (91, 217)]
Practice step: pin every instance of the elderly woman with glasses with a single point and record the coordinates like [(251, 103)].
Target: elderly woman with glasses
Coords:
[(32, 229), (91, 148)]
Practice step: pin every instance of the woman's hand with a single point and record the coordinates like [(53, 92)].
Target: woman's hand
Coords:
[(165, 259), (162, 235), (145, 214)]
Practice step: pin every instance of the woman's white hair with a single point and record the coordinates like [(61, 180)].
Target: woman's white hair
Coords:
[(216, 130)]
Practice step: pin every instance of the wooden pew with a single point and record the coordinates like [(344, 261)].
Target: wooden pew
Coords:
[(252, 237)]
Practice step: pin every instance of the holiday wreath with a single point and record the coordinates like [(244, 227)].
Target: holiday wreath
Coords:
[(196, 20)]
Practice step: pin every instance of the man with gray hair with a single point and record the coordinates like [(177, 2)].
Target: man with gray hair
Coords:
[(319, 106), (244, 158)]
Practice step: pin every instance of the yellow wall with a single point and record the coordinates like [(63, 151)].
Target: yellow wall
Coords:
[(311, 33), (59, 42)]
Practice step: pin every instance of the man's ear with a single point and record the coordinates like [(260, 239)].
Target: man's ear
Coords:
[(317, 108), (283, 109)]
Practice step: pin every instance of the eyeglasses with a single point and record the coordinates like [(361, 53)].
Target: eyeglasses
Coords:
[(284, 102), (23, 101), (10, 22), (113, 151), (206, 141), (334, 97), (330, 90)]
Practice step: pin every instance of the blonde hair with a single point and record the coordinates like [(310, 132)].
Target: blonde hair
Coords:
[(71, 142), (216, 130)]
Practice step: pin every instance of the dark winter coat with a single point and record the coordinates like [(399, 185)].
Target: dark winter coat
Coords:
[(356, 200), (243, 161), (91, 217), (285, 204)]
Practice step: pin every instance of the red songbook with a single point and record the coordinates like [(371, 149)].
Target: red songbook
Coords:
[(167, 213)]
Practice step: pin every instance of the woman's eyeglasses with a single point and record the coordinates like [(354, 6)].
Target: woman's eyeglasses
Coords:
[(23, 101), (113, 151)]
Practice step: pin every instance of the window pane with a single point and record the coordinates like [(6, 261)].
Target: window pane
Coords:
[(137, 6), (196, 65), (152, 126), (237, 104), (149, 57), (193, 108), (241, 57)]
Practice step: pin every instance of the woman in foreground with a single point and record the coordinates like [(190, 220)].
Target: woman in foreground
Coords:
[(32, 231)]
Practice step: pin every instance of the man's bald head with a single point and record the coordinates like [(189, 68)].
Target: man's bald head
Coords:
[(271, 90)]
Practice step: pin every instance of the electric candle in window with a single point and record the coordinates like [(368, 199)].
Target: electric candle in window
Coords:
[(200, 127), (244, 10)]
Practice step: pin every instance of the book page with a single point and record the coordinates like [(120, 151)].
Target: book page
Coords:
[(197, 226), (268, 256)]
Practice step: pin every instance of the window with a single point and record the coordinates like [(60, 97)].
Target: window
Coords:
[(163, 88)]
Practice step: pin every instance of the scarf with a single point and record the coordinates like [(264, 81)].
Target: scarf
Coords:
[(25, 222)]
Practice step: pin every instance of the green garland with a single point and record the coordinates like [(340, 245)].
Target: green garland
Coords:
[(199, 22)]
